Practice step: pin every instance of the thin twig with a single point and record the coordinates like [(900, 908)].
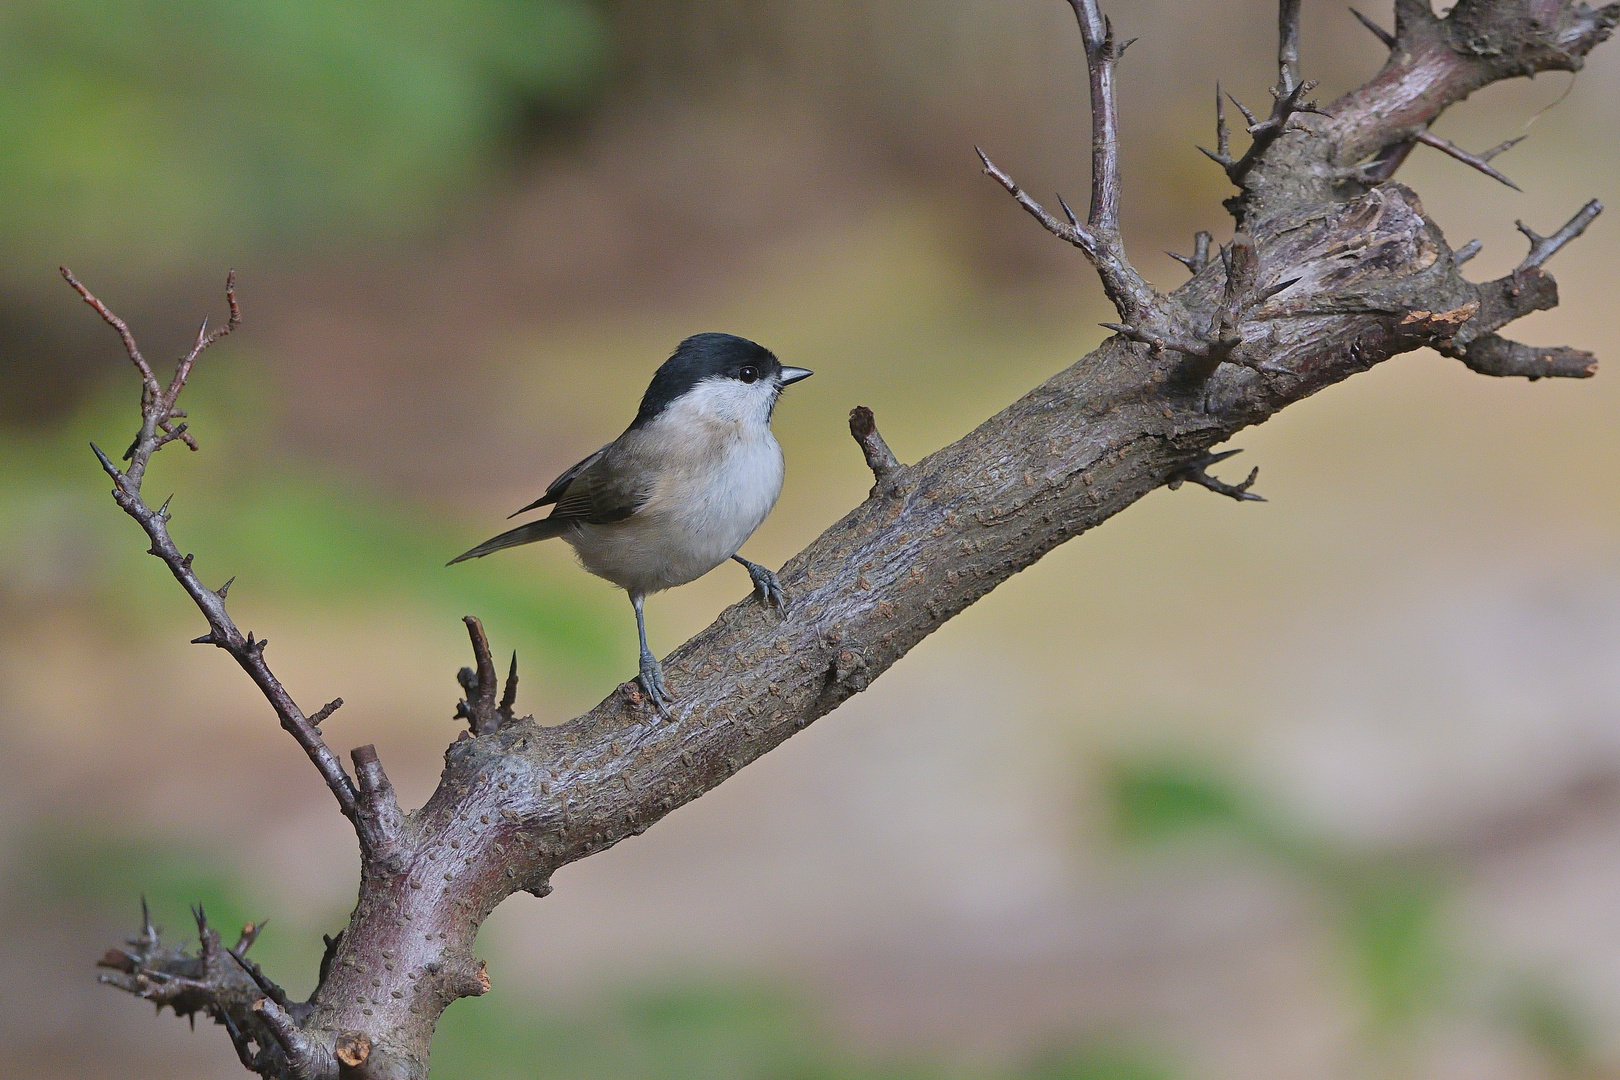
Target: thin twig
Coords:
[(1477, 161), (1099, 237), (1286, 105), (1503, 147), (1287, 45), (156, 408), (1195, 471), (1075, 234), (321, 714), (1097, 34), (149, 383), (1543, 248), (1200, 256), (182, 370)]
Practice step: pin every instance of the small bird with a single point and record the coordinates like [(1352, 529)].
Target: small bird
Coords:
[(682, 489)]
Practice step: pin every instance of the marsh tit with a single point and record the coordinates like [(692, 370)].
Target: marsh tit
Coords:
[(678, 493)]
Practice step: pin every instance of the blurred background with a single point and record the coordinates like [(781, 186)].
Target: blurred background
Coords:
[(1325, 787)]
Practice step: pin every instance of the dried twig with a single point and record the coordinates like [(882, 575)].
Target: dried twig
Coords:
[(885, 467), (1477, 161), (157, 407), (1200, 256), (1287, 45), (1099, 237), (1543, 248), (1196, 471)]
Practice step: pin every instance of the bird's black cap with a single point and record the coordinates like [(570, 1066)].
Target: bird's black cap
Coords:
[(700, 357)]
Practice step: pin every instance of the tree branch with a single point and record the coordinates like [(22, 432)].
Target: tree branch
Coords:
[(1543, 248), (1197, 472), (157, 410), (1099, 238), (886, 469), (1332, 271), (1477, 161)]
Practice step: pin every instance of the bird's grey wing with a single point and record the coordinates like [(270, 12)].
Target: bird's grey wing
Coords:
[(558, 487), (610, 486)]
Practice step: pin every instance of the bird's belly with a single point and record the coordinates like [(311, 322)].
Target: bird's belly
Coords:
[(691, 524)]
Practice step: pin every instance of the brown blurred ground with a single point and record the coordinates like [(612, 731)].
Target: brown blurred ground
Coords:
[(1418, 637)]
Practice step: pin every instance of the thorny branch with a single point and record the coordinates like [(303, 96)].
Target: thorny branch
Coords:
[(1197, 472), (1099, 237), (1477, 161), (157, 411), (1332, 269)]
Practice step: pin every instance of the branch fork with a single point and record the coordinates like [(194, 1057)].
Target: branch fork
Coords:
[(1220, 340), (1197, 472), (479, 708), (1099, 237)]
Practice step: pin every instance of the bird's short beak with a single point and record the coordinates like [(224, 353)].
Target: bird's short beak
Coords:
[(791, 375)]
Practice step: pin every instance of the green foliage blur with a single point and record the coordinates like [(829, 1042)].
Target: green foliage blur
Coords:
[(291, 532), (145, 126), (1388, 910), (713, 1030)]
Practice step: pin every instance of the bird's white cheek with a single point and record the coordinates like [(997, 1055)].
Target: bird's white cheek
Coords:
[(727, 401)]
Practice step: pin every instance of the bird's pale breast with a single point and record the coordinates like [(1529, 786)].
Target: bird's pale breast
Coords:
[(715, 484)]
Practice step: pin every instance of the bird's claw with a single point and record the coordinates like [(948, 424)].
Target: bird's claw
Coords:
[(767, 589), (651, 681)]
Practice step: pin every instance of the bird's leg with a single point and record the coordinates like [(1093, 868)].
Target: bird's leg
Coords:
[(766, 587), (652, 676)]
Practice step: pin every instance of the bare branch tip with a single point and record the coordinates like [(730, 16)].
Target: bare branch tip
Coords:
[(1476, 161), (879, 458), (1543, 248), (1503, 147), (1196, 471), (1379, 32)]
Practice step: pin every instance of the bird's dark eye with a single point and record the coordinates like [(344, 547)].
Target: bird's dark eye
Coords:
[(748, 374)]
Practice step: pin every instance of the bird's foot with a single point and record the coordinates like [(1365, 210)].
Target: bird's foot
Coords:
[(767, 589), (652, 685)]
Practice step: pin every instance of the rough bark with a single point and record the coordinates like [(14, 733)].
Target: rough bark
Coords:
[(1334, 268)]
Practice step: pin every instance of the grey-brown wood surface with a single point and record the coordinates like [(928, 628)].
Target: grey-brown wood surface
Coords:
[(1333, 268)]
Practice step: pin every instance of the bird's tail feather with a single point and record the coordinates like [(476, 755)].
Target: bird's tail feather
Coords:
[(544, 529)]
